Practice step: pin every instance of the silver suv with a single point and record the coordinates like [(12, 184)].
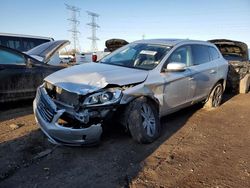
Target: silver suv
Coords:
[(135, 85)]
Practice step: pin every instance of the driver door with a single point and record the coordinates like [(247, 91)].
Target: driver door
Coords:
[(13, 80), (177, 89)]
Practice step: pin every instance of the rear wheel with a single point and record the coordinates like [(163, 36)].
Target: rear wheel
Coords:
[(215, 97), (143, 121)]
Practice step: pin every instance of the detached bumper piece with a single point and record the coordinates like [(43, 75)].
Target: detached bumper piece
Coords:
[(47, 116)]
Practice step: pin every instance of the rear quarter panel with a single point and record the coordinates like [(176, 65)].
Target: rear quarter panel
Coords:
[(222, 70)]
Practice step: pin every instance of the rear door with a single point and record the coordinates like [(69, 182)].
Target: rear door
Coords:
[(20, 75), (204, 71)]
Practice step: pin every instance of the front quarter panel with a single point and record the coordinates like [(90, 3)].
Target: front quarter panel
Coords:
[(152, 87)]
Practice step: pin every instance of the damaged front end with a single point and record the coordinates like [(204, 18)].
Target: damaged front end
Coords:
[(72, 119)]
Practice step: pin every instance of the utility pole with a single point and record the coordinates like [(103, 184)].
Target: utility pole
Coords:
[(143, 36), (94, 27), (74, 24)]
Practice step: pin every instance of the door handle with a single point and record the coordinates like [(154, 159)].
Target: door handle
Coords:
[(190, 78), (212, 71)]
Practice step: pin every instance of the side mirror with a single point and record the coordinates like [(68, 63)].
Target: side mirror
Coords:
[(29, 63), (176, 67)]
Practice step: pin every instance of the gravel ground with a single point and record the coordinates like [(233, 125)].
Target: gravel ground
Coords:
[(198, 148)]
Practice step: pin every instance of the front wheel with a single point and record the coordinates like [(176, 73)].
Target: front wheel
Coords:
[(215, 97), (143, 120)]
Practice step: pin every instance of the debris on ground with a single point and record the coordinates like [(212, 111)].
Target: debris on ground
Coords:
[(14, 126), (43, 153)]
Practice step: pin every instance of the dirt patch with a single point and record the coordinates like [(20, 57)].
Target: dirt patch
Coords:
[(198, 148)]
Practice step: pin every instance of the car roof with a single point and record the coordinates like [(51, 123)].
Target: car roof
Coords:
[(168, 42), (26, 36)]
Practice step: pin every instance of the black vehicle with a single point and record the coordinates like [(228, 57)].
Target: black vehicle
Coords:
[(21, 73), (21, 42), (236, 53)]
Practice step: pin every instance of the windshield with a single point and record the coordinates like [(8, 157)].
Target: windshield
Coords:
[(136, 55)]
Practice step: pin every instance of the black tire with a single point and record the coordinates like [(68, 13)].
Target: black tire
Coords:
[(137, 123), (215, 97)]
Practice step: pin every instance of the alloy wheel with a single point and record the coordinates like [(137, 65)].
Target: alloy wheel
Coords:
[(217, 96), (149, 123)]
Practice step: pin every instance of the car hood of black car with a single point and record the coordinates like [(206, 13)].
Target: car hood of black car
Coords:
[(46, 50)]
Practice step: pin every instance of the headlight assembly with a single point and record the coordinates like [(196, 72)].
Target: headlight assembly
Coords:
[(110, 96), (48, 85)]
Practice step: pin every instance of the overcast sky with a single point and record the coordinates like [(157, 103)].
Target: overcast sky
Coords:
[(130, 19)]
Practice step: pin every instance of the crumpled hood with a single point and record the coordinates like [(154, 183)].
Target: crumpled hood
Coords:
[(90, 77)]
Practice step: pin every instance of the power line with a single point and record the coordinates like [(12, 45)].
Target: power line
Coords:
[(94, 27), (74, 22)]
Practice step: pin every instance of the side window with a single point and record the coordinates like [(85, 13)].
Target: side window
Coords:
[(200, 54), (15, 43), (181, 55), (28, 43), (4, 40), (40, 41), (7, 57), (214, 53)]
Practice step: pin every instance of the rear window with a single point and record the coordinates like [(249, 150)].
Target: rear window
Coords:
[(200, 54), (214, 54)]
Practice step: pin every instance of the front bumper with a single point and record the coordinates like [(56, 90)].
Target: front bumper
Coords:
[(47, 115)]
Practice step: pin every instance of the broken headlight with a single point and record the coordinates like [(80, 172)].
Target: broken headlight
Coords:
[(48, 86), (106, 97)]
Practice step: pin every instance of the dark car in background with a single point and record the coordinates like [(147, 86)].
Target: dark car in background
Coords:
[(237, 55), (22, 42), (21, 73), (114, 44)]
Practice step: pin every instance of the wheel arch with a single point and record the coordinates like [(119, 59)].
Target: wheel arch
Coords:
[(126, 110), (151, 99), (133, 128), (222, 81)]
